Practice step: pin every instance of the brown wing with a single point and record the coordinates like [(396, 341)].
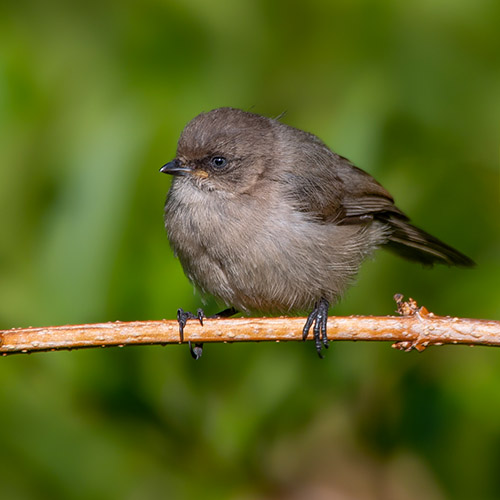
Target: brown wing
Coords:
[(331, 188), (334, 190)]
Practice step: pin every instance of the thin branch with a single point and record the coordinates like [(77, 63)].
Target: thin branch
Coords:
[(417, 328)]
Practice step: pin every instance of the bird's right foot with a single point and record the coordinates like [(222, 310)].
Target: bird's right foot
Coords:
[(182, 318)]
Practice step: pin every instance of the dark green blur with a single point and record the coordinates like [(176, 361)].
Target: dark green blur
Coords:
[(93, 96)]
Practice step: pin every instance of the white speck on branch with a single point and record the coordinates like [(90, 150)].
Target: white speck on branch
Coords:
[(416, 328)]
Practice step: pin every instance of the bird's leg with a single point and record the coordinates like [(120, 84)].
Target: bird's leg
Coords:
[(226, 313), (182, 318), (318, 316)]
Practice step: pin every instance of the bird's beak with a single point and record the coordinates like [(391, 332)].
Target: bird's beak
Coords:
[(175, 167)]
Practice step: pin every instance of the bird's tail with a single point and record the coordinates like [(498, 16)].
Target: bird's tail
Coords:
[(412, 243)]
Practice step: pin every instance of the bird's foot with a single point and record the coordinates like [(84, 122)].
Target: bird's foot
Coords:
[(196, 349), (182, 318), (318, 316)]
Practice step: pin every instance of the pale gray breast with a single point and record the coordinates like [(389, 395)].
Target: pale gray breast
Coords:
[(260, 255)]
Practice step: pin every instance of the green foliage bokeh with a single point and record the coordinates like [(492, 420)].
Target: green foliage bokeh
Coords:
[(93, 97)]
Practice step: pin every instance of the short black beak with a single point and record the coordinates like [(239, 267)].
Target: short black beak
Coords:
[(174, 167)]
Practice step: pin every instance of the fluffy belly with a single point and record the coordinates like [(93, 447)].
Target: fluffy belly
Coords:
[(269, 271), (265, 258)]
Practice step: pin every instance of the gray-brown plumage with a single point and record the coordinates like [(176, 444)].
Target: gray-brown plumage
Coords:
[(267, 218)]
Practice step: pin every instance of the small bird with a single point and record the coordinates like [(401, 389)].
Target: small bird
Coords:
[(266, 218)]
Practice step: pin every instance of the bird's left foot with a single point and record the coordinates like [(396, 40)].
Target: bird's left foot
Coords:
[(318, 316)]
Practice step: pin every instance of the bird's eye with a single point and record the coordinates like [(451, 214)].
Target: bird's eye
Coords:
[(218, 161)]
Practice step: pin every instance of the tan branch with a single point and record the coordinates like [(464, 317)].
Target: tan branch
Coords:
[(415, 329)]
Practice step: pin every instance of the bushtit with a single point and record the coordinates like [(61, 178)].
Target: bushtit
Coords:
[(265, 217)]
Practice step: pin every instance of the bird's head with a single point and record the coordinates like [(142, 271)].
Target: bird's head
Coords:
[(224, 150)]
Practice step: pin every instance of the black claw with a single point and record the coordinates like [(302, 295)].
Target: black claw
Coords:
[(196, 351), (183, 316), (318, 316), (200, 315), (309, 322)]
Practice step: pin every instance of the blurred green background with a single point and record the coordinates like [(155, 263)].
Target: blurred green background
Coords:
[(93, 97)]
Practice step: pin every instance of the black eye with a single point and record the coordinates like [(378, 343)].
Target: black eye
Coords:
[(218, 161)]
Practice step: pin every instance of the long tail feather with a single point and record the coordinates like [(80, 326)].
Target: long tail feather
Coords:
[(412, 243)]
